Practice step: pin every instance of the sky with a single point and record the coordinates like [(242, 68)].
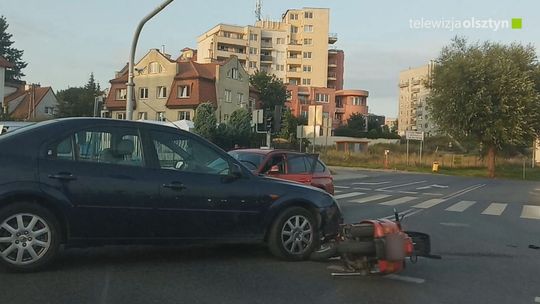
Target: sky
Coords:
[(65, 40)]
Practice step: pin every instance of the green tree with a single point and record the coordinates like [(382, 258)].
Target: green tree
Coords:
[(272, 90), (205, 121), (12, 54), (357, 122), (288, 126), (240, 127), (489, 92), (78, 101)]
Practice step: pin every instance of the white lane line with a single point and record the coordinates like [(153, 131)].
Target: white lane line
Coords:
[(405, 278), (495, 209), (400, 185), (463, 191), (455, 224), (530, 212), (363, 189), (461, 206), (346, 195), (429, 203), (342, 187), (399, 200), (393, 216), (371, 183), (413, 213), (338, 191), (537, 299), (370, 198)]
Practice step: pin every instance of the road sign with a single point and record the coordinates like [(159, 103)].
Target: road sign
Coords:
[(300, 132), (315, 115), (414, 135), (257, 117)]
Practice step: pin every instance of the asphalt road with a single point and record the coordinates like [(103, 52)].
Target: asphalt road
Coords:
[(482, 228)]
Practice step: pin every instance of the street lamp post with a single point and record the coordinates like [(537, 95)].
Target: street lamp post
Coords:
[(130, 84)]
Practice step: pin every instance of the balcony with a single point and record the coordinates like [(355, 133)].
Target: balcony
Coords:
[(416, 82), (267, 45), (415, 90), (266, 58), (403, 84), (332, 76), (332, 64), (226, 54), (332, 38), (340, 110)]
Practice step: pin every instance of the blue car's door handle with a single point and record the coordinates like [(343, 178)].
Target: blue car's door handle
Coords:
[(175, 186)]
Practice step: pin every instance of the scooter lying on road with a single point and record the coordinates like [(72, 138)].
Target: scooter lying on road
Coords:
[(375, 247)]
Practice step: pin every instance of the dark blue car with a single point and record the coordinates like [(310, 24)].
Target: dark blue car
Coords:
[(86, 181)]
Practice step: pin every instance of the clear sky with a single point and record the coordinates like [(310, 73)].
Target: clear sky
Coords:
[(65, 40)]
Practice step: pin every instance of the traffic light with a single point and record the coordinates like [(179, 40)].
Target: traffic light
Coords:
[(269, 123)]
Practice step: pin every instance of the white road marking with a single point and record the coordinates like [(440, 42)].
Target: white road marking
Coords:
[(371, 183), (461, 206), (495, 209), (346, 195), (530, 212), (429, 203), (364, 189), (370, 198), (463, 191), (432, 186), (342, 187), (400, 185), (413, 213), (455, 224), (537, 299), (404, 278), (399, 200), (392, 217), (338, 191)]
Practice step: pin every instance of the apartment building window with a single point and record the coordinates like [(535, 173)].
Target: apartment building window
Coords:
[(160, 116), (184, 91), (304, 114), (280, 67), (293, 17), (228, 96), (307, 55), (121, 115), (308, 15), (294, 29), (319, 97), (154, 67), (306, 81), (308, 41), (308, 28), (307, 68), (184, 115), (356, 101), (253, 37), (252, 64), (240, 98), (280, 40), (304, 99), (161, 92), (293, 81), (143, 116), (234, 74), (121, 94), (143, 93), (253, 51)]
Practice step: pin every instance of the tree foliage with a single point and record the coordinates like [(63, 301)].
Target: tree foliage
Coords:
[(205, 121), (272, 90), (356, 127), (489, 92), (78, 101), (12, 54)]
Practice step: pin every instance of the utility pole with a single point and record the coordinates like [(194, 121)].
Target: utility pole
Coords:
[(130, 84)]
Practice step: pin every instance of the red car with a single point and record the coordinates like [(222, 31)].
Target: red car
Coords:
[(294, 166)]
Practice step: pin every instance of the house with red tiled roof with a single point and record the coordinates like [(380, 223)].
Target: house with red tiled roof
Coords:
[(31, 102), (167, 89)]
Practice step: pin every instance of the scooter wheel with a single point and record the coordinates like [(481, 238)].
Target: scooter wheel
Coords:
[(326, 251)]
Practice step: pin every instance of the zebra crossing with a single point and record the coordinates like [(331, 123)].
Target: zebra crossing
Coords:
[(419, 203)]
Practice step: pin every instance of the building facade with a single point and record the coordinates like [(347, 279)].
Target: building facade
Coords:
[(171, 90), (413, 112), (30, 102), (295, 49)]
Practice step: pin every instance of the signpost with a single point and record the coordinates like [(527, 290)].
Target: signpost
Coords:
[(315, 118), (414, 135)]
